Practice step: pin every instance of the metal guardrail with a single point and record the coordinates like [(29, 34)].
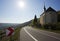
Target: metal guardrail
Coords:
[(2, 35)]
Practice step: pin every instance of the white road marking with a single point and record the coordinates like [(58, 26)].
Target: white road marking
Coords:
[(50, 32), (30, 35), (49, 35)]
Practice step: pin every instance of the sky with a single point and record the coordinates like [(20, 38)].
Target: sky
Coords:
[(20, 11)]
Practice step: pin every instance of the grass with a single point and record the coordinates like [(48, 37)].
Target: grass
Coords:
[(16, 35), (55, 31)]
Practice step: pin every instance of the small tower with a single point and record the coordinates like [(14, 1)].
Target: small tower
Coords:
[(44, 7), (44, 12)]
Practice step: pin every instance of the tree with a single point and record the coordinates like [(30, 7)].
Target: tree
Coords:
[(35, 20)]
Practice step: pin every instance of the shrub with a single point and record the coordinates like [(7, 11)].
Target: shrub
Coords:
[(58, 26)]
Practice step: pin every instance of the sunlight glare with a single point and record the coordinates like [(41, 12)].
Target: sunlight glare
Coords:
[(21, 4)]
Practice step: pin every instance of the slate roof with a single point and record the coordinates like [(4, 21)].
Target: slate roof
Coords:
[(50, 9)]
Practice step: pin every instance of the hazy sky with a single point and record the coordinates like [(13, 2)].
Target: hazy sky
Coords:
[(15, 11)]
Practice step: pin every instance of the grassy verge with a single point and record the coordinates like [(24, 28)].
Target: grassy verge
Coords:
[(55, 31), (17, 34)]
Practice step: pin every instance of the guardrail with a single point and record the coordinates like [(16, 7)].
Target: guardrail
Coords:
[(2, 34), (15, 37)]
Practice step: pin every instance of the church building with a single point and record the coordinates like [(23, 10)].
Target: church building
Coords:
[(49, 16)]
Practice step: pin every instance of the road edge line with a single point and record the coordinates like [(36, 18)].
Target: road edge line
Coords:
[(30, 35)]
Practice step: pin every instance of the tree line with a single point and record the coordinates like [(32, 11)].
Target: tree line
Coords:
[(36, 23)]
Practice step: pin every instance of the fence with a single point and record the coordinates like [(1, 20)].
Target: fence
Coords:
[(2, 35)]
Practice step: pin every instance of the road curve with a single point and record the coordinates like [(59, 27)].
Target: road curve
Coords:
[(30, 34)]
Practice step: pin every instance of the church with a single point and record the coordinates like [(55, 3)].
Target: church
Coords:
[(49, 16)]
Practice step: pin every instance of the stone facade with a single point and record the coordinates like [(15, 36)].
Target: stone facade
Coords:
[(48, 17)]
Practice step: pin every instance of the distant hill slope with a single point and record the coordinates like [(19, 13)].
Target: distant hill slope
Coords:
[(26, 23), (58, 12), (6, 25), (58, 16)]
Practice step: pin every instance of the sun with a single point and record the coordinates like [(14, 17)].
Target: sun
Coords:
[(21, 4)]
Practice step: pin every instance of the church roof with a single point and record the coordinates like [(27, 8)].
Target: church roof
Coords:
[(50, 9)]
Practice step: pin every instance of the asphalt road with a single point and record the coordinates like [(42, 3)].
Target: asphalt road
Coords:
[(30, 34)]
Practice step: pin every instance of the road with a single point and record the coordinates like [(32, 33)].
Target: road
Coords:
[(30, 34)]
